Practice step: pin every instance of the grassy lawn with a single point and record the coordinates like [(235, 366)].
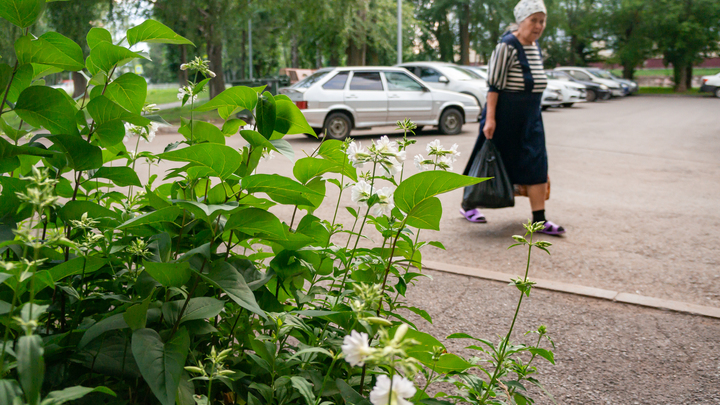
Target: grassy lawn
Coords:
[(165, 96), (173, 115), (668, 90), (668, 72)]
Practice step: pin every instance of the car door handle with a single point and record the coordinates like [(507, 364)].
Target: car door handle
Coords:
[(393, 96), (352, 96)]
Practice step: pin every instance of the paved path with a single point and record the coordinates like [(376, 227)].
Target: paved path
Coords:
[(637, 183)]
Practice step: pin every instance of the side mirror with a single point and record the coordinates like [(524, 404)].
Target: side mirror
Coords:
[(443, 79)]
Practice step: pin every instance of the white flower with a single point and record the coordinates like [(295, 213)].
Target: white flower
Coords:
[(151, 131), (401, 388), (385, 205), (184, 66), (446, 162), (391, 166), (384, 145), (186, 91), (358, 155), (356, 348), (421, 164), (210, 73), (361, 193), (454, 151), (268, 154), (401, 156), (433, 146)]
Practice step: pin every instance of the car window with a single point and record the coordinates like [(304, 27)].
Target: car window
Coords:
[(429, 75), (310, 80), (579, 75), (366, 81), (337, 82), (401, 82), (457, 73)]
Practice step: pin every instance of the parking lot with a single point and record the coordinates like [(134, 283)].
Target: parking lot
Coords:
[(636, 181)]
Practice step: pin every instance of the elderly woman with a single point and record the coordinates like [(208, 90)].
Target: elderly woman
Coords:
[(512, 117)]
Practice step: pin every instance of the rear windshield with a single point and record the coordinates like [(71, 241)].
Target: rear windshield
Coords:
[(310, 80)]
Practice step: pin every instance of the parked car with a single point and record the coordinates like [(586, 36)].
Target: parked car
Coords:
[(476, 71), (629, 86), (633, 86), (572, 92), (451, 77), (595, 91), (586, 74), (341, 99), (711, 84), (553, 96)]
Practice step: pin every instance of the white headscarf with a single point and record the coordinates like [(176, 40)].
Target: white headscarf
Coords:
[(526, 8)]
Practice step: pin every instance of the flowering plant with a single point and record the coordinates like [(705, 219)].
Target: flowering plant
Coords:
[(189, 290)]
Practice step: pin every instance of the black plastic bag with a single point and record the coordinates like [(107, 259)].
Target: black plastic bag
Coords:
[(497, 192)]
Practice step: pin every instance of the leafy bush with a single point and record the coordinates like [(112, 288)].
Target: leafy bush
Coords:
[(191, 290)]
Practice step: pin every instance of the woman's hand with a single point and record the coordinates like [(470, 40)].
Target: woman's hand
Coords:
[(489, 129)]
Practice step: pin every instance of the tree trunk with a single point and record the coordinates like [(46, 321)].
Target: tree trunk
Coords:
[(689, 76), (294, 55), (680, 76), (214, 51), (182, 75), (465, 34), (79, 83), (628, 70)]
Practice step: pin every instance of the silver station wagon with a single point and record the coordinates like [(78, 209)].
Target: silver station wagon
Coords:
[(341, 99)]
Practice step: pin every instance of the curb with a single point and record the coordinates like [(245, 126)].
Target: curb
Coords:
[(592, 292)]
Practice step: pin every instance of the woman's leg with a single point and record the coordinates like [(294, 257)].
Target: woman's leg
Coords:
[(536, 193)]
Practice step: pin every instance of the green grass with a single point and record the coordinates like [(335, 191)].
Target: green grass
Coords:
[(668, 72), (165, 96), (667, 90), (173, 115)]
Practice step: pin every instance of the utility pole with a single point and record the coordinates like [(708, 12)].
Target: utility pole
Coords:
[(399, 32), (250, 41)]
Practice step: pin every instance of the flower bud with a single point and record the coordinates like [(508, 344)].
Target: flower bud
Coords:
[(400, 333)]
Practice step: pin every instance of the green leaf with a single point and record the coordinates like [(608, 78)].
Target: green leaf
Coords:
[(226, 277), (252, 221), (426, 215), (72, 393), (80, 154), (76, 266), (50, 49), (203, 132), (544, 353), (113, 322), (46, 107), (161, 364), (447, 363), (284, 148), (122, 176), (103, 110), (232, 99), (304, 388), (331, 149), (97, 35), (279, 188), (155, 32), (5, 74), (169, 274), (110, 133), (256, 139), (40, 70), (136, 315), (350, 396), (221, 160), (75, 209), (22, 13), (412, 194), (197, 308), (128, 91), (290, 120), (105, 56), (433, 401), (168, 214), (8, 150), (231, 127), (23, 79), (266, 114), (306, 169), (30, 366), (9, 390)]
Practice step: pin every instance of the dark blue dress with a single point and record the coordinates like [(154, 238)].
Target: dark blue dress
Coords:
[(519, 135)]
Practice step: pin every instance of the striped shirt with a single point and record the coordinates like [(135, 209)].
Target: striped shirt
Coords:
[(505, 72)]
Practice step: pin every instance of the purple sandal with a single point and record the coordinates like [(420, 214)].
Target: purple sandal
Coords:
[(552, 229), (474, 215)]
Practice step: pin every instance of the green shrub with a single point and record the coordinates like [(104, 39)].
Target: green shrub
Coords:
[(189, 290)]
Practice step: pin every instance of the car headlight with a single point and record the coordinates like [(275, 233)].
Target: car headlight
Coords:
[(557, 91), (603, 87)]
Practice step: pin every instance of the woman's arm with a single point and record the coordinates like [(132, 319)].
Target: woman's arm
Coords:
[(489, 129)]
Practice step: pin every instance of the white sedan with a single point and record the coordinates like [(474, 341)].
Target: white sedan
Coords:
[(341, 99)]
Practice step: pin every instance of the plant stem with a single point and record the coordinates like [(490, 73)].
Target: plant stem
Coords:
[(187, 301), (387, 269), (7, 89), (322, 387)]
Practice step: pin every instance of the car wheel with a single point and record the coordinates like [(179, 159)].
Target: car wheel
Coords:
[(591, 96), (568, 105), (451, 122), (717, 92), (419, 128), (338, 126), (544, 107)]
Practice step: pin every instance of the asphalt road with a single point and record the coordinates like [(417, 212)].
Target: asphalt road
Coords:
[(636, 182)]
